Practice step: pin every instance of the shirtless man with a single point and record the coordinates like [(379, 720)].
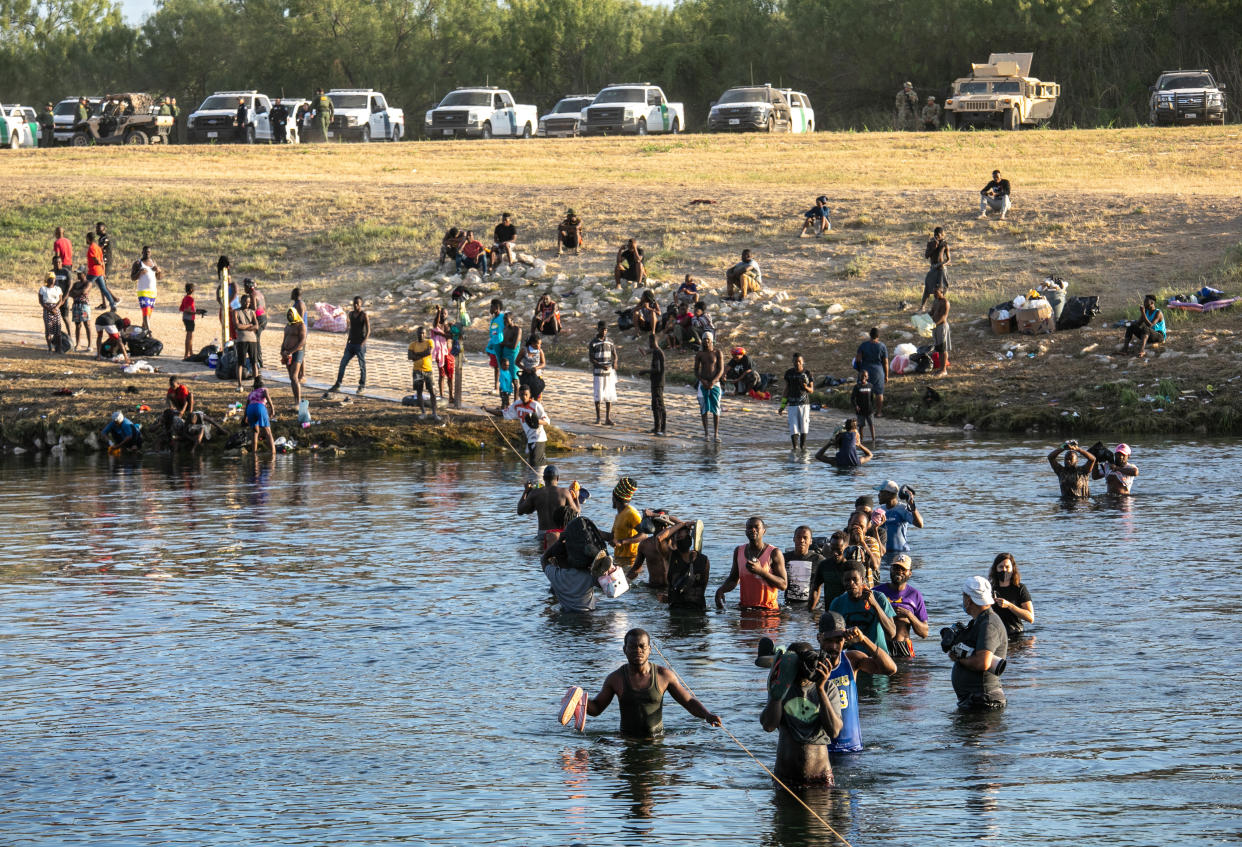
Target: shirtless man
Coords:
[(654, 552), (639, 687), (709, 367), (808, 717), (545, 500)]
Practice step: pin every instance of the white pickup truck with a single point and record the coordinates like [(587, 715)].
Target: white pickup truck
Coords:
[(213, 120), (633, 107), (364, 115), (481, 112)]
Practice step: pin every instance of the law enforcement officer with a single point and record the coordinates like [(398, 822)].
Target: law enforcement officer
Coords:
[(47, 127), (931, 115), (84, 113), (323, 113), (178, 127), (241, 121), (906, 105), (279, 116)]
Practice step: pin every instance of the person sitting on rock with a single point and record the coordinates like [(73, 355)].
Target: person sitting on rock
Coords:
[(647, 313), (745, 276), (701, 324), (738, 371), (547, 318), (569, 233), (630, 265), (677, 326), (473, 255), (450, 244), (687, 292)]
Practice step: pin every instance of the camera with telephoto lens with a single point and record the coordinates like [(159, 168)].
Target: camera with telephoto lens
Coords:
[(1101, 453), (951, 635)]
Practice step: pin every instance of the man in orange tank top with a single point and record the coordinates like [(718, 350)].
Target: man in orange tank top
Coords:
[(759, 569)]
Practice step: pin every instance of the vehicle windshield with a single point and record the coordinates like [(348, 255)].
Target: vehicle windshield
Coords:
[(218, 102), (348, 101), (1010, 87), (571, 104), (467, 98), (972, 88), (66, 107), (621, 95), (743, 95), (1196, 81)]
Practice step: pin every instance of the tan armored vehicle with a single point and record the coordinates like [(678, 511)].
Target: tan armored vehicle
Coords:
[(1001, 93)]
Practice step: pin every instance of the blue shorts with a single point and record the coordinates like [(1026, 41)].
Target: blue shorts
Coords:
[(256, 415), (709, 401)]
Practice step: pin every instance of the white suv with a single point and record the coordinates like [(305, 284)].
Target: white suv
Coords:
[(213, 120)]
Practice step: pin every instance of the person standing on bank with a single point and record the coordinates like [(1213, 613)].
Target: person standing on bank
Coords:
[(656, 374), (323, 114), (247, 326), (709, 367), (798, 385), (872, 357), (979, 656), (603, 355), (279, 117), (937, 253), (942, 340), (293, 352), (355, 345), (259, 303), (422, 371)]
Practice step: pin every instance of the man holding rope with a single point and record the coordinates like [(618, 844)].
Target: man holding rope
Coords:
[(639, 687)]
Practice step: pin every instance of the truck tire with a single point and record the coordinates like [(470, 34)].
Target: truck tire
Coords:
[(676, 125), (14, 141), (487, 130), (1009, 120), (249, 135), (527, 132), (136, 137), (771, 125), (79, 140), (642, 126), (396, 133), (365, 138)]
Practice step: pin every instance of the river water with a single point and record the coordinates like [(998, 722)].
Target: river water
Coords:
[(348, 651)]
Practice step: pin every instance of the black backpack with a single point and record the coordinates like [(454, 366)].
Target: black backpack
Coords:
[(144, 345), (583, 542), (226, 364), (625, 319)]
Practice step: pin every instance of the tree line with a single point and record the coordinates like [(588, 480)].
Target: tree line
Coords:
[(850, 56)]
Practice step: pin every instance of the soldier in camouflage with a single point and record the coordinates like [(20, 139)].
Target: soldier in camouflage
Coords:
[(931, 115), (323, 114), (906, 105)]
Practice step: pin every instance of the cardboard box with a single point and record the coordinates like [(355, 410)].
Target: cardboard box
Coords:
[(1036, 318), (1002, 327)]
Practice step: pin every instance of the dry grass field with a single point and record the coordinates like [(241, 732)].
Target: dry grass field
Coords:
[(1116, 212)]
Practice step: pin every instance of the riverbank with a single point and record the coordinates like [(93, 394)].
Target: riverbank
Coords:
[(1117, 213)]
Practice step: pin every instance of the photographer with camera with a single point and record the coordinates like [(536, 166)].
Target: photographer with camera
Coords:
[(808, 716), (1075, 479), (900, 512), (978, 650)]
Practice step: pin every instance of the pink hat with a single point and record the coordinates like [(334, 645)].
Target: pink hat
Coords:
[(1123, 449), (878, 515)]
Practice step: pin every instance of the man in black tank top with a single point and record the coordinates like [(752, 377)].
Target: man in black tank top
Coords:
[(639, 687), (355, 346)]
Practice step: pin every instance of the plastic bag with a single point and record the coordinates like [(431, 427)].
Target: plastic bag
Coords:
[(614, 583), (923, 324), (330, 318), (905, 349)]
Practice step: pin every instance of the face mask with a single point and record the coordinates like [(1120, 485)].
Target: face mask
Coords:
[(965, 605)]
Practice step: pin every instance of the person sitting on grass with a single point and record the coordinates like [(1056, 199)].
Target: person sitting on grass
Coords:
[(1149, 327), (473, 255), (646, 314), (850, 451), (745, 276), (817, 217), (122, 434), (630, 264), (259, 414), (569, 233)]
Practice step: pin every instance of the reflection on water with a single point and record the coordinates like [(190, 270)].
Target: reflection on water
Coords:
[(364, 651)]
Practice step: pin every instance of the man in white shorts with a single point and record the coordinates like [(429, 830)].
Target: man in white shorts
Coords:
[(798, 385), (603, 354)]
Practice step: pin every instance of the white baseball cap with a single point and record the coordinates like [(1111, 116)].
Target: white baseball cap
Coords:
[(979, 590)]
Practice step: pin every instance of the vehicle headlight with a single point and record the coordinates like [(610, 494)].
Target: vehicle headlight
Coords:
[(629, 113), (543, 124), (427, 118), (474, 118), (1166, 99), (1215, 97)]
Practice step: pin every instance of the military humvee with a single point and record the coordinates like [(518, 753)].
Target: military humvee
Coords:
[(123, 119), (1001, 94)]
